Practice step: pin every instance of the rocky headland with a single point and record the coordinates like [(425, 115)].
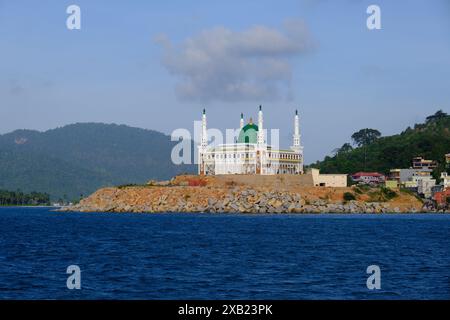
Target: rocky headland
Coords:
[(246, 194)]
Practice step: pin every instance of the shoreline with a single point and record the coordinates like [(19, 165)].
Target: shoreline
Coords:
[(69, 210), (198, 194)]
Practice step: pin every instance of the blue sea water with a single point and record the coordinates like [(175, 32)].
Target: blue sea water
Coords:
[(200, 256)]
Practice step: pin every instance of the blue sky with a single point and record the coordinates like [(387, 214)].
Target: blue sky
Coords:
[(131, 64)]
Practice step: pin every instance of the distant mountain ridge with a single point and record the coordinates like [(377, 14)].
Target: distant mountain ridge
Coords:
[(80, 158)]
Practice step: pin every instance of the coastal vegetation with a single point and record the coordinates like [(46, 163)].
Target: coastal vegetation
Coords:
[(348, 196), (371, 194), (19, 198), (373, 152)]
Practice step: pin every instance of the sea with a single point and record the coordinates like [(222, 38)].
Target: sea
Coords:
[(223, 256)]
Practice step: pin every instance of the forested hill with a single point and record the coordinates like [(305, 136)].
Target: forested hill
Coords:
[(80, 158), (370, 152)]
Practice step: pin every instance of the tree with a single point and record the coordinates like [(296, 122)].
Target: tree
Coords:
[(348, 196), (18, 198), (436, 117), (365, 137), (431, 141), (346, 148)]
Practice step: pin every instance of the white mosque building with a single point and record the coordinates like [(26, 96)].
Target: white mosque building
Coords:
[(250, 154)]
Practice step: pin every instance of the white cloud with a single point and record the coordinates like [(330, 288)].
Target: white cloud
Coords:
[(224, 65)]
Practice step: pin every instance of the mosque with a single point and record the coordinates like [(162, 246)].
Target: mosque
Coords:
[(250, 154)]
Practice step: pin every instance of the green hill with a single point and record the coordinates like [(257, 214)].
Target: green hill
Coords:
[(80, 158), (430, 140)]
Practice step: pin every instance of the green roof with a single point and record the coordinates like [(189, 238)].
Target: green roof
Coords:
[(248, 134)]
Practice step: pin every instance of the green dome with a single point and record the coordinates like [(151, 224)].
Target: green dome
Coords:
[(248, 134)]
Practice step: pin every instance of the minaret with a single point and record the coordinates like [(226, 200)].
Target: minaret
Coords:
[(241, 124), (203, 145), (260, 139), (296, 136), (296, 146), (204, 138), (260, 152)]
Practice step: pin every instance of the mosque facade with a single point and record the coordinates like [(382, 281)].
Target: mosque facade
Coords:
[(250, 154)]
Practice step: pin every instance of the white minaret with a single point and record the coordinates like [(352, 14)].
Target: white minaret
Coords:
[(241, 124), (203, 145), (204, 138), (260, 139), (296, 136), (260, 152), (297, 147)]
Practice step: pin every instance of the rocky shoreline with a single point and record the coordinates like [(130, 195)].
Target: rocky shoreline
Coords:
[(223, 198)]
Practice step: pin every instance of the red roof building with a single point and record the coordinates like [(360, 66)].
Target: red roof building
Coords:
[(368, 177)]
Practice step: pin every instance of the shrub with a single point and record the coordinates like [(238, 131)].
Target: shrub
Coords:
[(387, 193), (348, 196), (129, 185), (358, 190), (364, 187)]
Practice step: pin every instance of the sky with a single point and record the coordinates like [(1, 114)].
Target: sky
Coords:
[(157, 64)]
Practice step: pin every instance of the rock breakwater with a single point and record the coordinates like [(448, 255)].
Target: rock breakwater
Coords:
[(214, 196)]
